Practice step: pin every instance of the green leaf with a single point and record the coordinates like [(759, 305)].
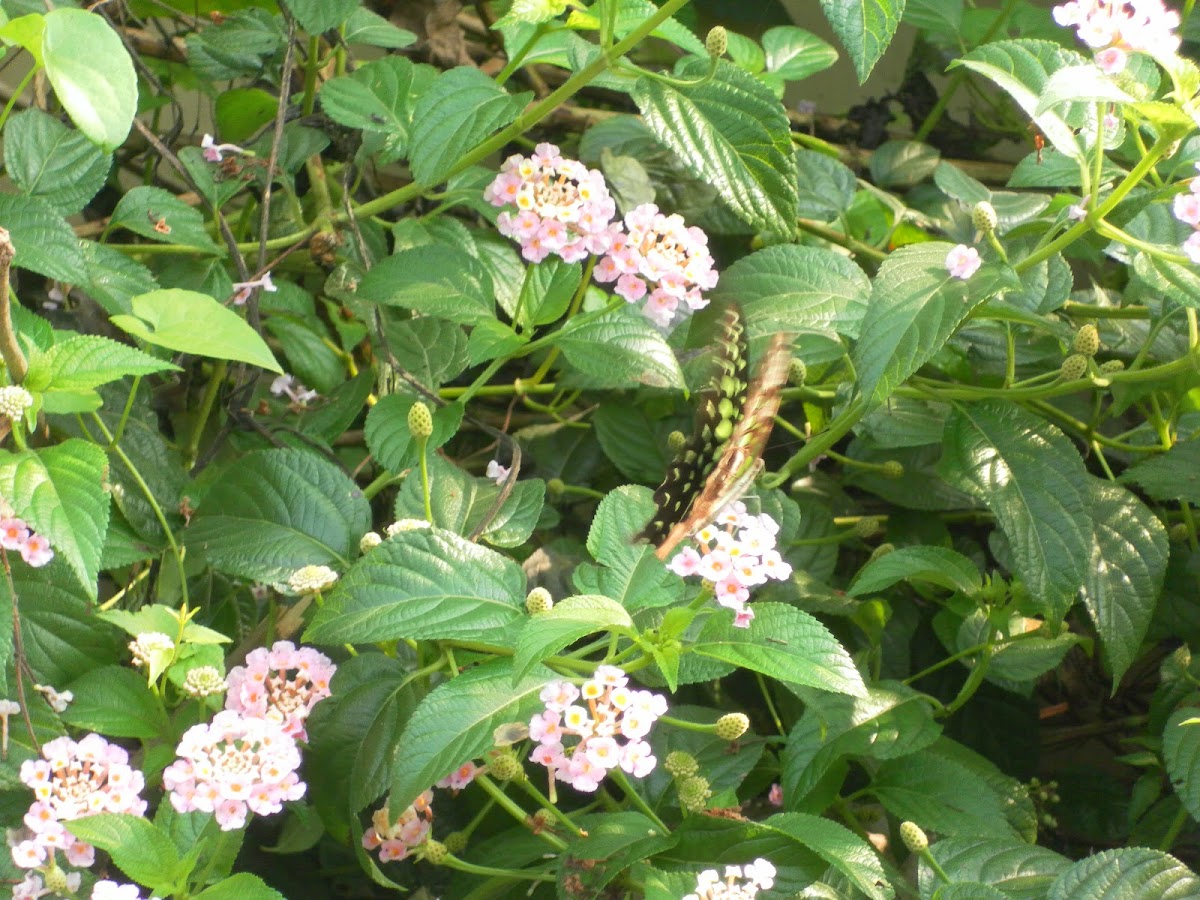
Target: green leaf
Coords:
[(794, 54), (139, 849), (785, 643), (619, 349), (190, 322), (936, 565), (1128, 873), (1030, 476), (903, 164), (44, 242), (378, 98), (116, 701), (274, 511), (144, 207), (1082, 82), (1021, 870), (426, 584), (1124, 578), (838, 846), (547, 291), (240, 886), (92, 74), (26, 32), (865, 28), (457, 721), (372, 29), (1023, 70), (797, 289), (47, 159), (316, 16), (113, 278), (388, 437), (731, 132), (88, 361), (435, 280), (569, 620), (459, 110), (1172, 477), (59, 490), (461, 501), (915, 306), (1181, 753), (241, 112)]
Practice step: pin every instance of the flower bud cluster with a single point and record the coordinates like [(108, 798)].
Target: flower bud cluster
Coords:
[(1115, 27), (739, 883)]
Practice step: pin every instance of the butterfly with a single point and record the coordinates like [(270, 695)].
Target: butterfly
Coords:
[(723, 454)]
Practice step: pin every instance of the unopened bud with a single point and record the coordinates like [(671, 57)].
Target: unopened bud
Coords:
[(456, 842), (14, 400), (369, 541), (1073, 367), (1087, 340), (983, 216), (1112, 366), (717, 42), (435, 852), (675, 441), (55, 880), (694, 793), (732, 726), (797, 372), (538, 601), (420, 420), (503, 765), (866, 527), (914, 838), (555, 487), (1179, 533), (893, 469), (681, 764)]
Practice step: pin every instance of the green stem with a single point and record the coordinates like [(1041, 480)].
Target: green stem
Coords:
[(519, 57), (207, 402), (619, 777), (511, 807), (453, 862), (423, 441), (12, 101), (838, 428), (312, 64), (1172, 832), (125, 413)]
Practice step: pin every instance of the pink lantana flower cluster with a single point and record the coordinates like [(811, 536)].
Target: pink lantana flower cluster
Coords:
[(16, 535), (395, 840), (33, 888), (460, 777), (735, 553), (281, 685), (563, 207), (739, 883), (1187, 209), (72, 780), (613, 714), (1115, 27), (661, 256), (234, 765)]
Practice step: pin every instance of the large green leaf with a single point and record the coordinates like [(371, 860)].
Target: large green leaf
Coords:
[(427, 584), (457, 721), (388, 436), (730, 131), (793, 54), (1021, 870), (47, 159), (840, 847), (378, 98), (459, 110), (316, 16), (1128, 873), (59, 491), (88, 361), (785, 643), (274, 511), (161, 216), (240, 886), (1124, 578), (1172, 477), (435, 280), (915, 306), (91, 72), (116, 701), (570, 619), (936, 565), (190, 322), (44, 242), (865, 28), (621, 348), (1031, 477), (1181, 753), (139, 849)]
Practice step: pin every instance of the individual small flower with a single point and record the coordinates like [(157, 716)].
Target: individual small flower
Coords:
[(31, 888), (287, 385), (735, 553), (203, 681), (561, 206), (610, 729), (13, 533), (660, 258), (281, 685), (496, 472), (36, 551), (740, 882), (1113, 27), (963, 261), (311, 579), (242, 289), (14, 400), (232, 766), (775, 795), (214, 152), (58, 700), (1076, 211), (460, 777), (70, 781), (111, 890), (395, 840), (402, 525)]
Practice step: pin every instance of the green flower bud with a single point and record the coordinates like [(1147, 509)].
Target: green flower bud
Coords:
[(538, 601), (893, 469), (435, 852), (555, 487), (1087, 340), (456, 842), (1073, 367), (732, 726), (420, 420), (55, 880), (914, 838), (1112, 366), (797, 372), (866, 527), (1179, 533), (503, 765), (717, 42), (369, 541), (694, 793), (681, 764), (675, 441), (983, 216)]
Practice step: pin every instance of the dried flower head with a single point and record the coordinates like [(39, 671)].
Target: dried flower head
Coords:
[(311, 579)]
